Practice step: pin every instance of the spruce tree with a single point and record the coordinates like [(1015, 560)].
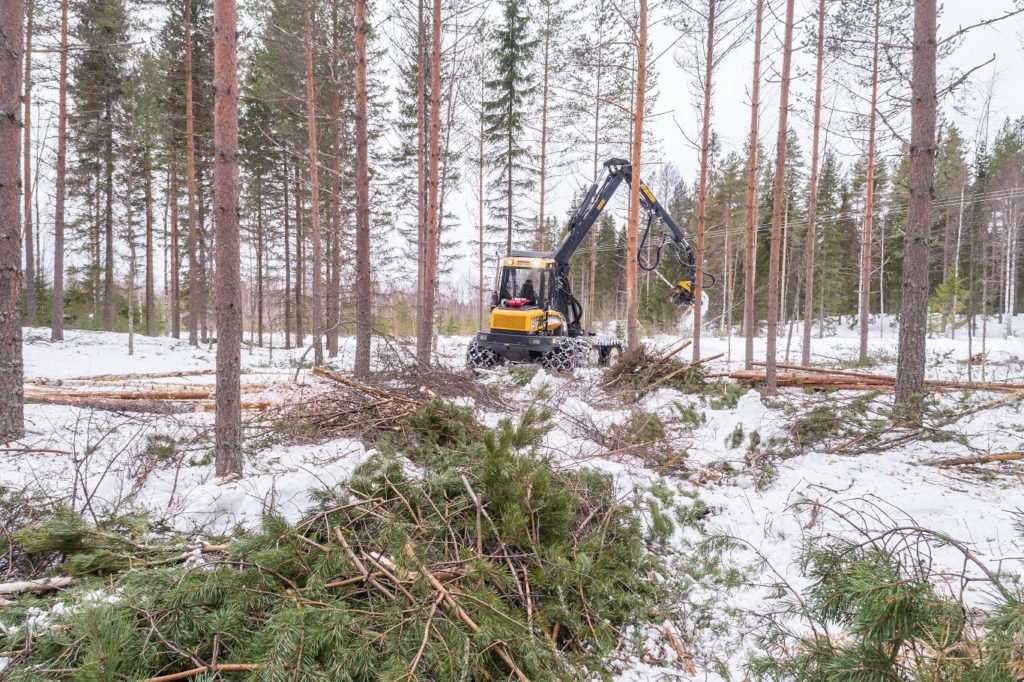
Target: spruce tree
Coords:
[(506, 114)]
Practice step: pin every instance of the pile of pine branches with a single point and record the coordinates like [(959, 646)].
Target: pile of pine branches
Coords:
[(878, 607), (483, 562), (641, 371)]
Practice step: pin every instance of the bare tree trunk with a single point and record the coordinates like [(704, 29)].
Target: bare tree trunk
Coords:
[(300, 262), (702, 192), (109, 313), (910, 363), (812, 204), (364, 309), (480, 212), (57, 319), (203, 297), (228, 282), (750, 250), (869, 198), (422, 339), (12, 417), (314, 193), (131, 289), (175, 252), (150, 275), (771, 379), (30, 271), (544, 127), (190, 157), (287, 259), (592, 293), (334, 281), (259, 255), (425, 332), (632, 234)]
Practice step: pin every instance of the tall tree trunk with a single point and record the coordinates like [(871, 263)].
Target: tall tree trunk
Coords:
[(57, 320), (30, 271), (869, 197), (175, 250), (109, 312), (633, 231), (260, 275), (421, 176), (150, 275), (287, 259), (203, 295), (334, 281), (228, 283), (771, 379), (544, 126), (425, 335), (363, 293), (131, 287), (480, 210), (592, 293), (910, 363), (300, 263), (314, 193), (750, 249), (812, 203), (702, 192), (190, 158), (12, 417)]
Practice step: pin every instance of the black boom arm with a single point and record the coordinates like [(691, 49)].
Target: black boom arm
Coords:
[(597, 198)]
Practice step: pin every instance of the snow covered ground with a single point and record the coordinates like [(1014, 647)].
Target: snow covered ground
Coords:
[(107, 461)]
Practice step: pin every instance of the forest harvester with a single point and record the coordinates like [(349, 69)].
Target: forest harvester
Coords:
[(534, 315)]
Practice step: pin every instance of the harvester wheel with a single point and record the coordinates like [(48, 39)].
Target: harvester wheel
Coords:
[(481, 357), (564, 358)]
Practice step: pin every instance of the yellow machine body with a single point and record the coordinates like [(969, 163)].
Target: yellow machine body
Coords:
[(524, 321)]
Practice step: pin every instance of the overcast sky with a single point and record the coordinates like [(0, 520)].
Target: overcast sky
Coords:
[(676, 120)]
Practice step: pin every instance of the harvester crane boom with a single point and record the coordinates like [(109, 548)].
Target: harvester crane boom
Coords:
[(597, 198)]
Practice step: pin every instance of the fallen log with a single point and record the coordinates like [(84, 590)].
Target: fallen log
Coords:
[(146, 406), (112, 404), (41, 585), (150, 375), (890, 379), (127, 395), (976, 459)]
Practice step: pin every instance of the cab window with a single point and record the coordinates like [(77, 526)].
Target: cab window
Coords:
[(528, 283)]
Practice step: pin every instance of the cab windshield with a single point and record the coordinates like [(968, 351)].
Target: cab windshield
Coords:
[(523, 283)]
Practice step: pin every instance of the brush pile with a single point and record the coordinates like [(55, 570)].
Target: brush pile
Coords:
[(342, 405), (485, 563), (641, 371)]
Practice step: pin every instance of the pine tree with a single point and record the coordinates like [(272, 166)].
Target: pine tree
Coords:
[(12, 420), (228, 425), (506, 116), (57, 321), (99, 86)]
